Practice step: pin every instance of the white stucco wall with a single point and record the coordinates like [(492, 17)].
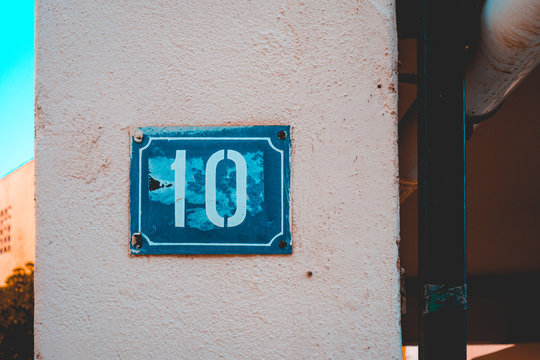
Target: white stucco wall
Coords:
[(325, 68)]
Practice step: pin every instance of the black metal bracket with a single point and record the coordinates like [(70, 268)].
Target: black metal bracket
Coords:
[(441, 180)]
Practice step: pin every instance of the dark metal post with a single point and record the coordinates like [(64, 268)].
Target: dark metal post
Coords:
[(441, 171)]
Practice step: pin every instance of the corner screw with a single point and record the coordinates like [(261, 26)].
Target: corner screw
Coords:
[(138, 137), (136, 240), (282, 244), (281, 135)]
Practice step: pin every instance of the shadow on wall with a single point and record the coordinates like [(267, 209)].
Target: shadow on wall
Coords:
[(17, 314)]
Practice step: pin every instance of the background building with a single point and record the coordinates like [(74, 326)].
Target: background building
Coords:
[(17, 225)]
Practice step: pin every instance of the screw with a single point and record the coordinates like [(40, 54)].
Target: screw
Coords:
[(138, 137), (309, 273), (282, 244), (136, 240), (281, 135)]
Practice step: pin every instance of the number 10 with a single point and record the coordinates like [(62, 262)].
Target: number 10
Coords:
[(179, 167)]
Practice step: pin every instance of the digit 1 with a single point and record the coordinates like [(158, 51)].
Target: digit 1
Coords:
[(179, 167)]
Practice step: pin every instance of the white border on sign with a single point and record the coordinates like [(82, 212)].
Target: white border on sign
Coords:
[(151, 243)]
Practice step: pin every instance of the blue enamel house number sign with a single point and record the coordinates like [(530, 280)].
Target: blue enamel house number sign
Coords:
[(210, 190)]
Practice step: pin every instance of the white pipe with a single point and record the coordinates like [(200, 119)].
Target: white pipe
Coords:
[(509, 49)]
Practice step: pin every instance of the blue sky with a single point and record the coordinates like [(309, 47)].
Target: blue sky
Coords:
[(16, 83)]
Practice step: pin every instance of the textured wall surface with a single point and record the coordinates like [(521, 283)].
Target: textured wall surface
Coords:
[(17, 229), (327, 69)]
